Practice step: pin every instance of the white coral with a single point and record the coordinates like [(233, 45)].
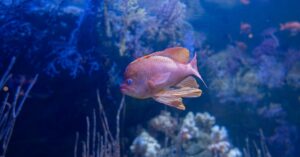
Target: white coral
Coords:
[(218, 134), (188, 129), (220, 147), (205, 120), (197, 134), (164, 122), (220, 144), (234, 153), (145, 145)]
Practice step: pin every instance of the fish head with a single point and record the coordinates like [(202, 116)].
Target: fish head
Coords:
[(133, 84), (128, 87)]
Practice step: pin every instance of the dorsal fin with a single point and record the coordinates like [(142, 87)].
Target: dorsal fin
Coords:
[(178, 54)]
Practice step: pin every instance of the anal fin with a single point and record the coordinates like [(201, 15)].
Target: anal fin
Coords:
[(171, 101)]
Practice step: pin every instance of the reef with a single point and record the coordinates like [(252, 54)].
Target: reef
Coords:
[(60, 45), (251, 73), (196, 135)]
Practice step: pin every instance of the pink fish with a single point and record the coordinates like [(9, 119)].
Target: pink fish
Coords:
[(165, 76), (293, 27), (245, 2), (245, 28)]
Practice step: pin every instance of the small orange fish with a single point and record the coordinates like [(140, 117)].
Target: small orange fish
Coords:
[(164, 76)]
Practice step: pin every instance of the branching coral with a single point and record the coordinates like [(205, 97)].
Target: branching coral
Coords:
[(139, 26), (10, 108), (196, 136), (145, 145), (96, 144), (164, 123)]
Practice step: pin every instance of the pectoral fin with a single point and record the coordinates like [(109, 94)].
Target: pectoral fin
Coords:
[(188, 82), (171, 101), (159, 79)]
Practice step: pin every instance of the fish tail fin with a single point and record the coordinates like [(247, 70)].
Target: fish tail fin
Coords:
[(195, 71), (281, 27)]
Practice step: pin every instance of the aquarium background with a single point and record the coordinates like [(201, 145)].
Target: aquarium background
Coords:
[(250, 64)]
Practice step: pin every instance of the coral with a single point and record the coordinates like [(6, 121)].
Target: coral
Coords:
[(219, 144), (188, 128), (272, 111), (68, 55), (145, 145), (292, 64), (248, 87), (269, 66), (205, 121), (232, 78), (97, 143), (284, 138), (267, 47), (234, 153), (197, 136), (10, 108), (137, 27), (237, 77), (50, 34), (293, 76), (47, 33), (164, 123), (195, 10)]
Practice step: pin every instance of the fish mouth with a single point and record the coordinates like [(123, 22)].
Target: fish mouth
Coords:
[(123, 88)]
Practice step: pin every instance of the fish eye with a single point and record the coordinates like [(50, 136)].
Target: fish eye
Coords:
[(129, 81)]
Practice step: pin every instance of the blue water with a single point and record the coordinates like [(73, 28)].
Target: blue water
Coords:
[(80, 46)]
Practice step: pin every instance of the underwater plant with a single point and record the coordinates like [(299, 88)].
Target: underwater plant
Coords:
[(257, 150), (96, 143), (11, 106)]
